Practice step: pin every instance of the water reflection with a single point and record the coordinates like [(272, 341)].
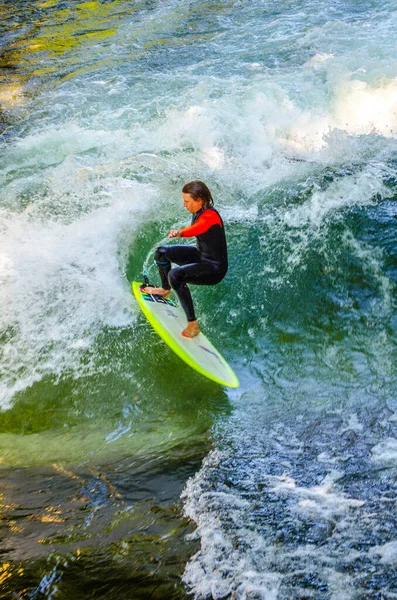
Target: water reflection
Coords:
[(52, 34), (116, 527)]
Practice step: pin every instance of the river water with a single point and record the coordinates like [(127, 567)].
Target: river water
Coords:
[(124, 473)]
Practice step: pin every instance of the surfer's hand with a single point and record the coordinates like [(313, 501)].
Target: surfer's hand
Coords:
[(175, 233)]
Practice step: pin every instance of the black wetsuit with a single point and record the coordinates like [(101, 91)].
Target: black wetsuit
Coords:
[(204, 265)]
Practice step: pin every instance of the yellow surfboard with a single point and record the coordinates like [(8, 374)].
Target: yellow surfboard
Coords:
[(168, 321)]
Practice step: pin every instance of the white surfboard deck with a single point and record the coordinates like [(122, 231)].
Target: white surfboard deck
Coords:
[(168, 320)]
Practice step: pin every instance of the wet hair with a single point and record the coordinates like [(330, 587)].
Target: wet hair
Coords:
[(199, 191)]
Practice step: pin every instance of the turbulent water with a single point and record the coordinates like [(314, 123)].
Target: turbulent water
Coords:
[(124, 473)]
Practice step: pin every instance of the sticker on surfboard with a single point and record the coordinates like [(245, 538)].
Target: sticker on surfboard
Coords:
[(168, 321)]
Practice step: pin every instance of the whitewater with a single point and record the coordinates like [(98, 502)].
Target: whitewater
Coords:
[(119, 464)]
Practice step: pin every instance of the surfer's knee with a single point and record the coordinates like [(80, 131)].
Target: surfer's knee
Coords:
[(160, 253), (160, 258), (176, 277)]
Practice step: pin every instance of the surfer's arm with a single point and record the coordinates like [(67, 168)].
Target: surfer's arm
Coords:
[(206, 220)]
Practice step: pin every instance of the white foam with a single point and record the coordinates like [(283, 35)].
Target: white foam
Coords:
[(353, 424), (356, 190), (387, 553), (385, 451), (232, 547), (321, 500), (318, 59), (61, 284), (358, 109), (361, 108)]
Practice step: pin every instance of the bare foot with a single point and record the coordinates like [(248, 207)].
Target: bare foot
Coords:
[(157, 291), (191, 330)]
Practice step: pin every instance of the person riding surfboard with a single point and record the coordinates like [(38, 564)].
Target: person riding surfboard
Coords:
[(205, 264)]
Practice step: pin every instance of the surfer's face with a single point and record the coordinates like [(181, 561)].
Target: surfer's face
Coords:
[(191, 204)]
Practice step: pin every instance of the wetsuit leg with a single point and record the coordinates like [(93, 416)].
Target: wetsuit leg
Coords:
[(191, 270), (201, 273), (165, 255)]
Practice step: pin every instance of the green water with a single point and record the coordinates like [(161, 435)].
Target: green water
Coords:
[(125, 474)]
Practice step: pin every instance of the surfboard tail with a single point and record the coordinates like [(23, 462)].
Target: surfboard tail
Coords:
[(168, 321)]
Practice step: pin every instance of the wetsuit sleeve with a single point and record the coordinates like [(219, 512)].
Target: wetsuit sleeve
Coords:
[(206, 220)]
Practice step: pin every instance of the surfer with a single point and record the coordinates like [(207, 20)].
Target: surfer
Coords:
[(205, 264)]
